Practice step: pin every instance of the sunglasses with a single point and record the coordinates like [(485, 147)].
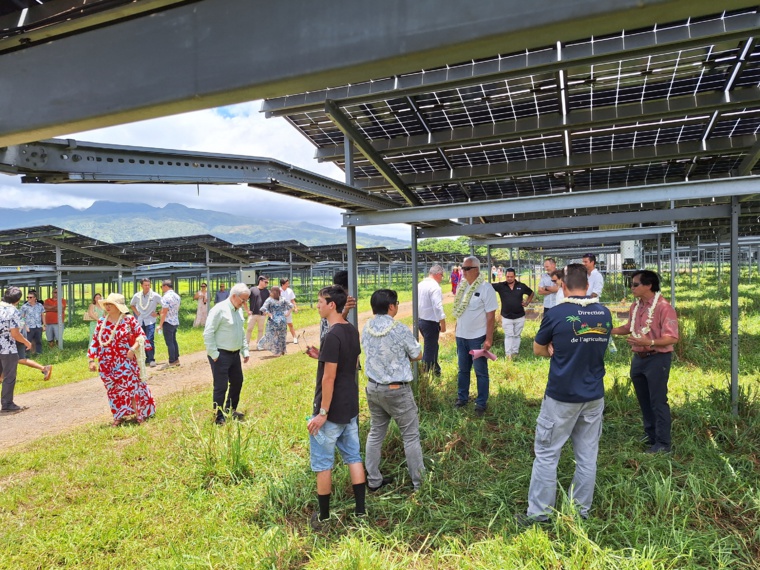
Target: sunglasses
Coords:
[(468, 268), (555, 280), (634, 284)]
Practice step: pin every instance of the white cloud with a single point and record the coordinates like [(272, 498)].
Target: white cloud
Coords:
[(237, 129)]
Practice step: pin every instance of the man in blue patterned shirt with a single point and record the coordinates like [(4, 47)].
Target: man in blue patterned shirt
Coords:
[(170, 320), (389, 347), (32, 312), (10, 323)]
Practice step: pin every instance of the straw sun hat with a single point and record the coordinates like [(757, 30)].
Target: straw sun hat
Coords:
[(114, 299)]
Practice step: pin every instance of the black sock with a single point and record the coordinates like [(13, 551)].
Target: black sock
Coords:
[(359, 494), (324, 506)]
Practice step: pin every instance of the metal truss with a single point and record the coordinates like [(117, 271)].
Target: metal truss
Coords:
[(58, 161)]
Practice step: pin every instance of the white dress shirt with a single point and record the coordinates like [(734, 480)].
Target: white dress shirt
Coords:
[(430, 300), (595, 283)]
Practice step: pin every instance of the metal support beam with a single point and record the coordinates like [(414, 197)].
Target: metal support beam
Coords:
[(749, 161), (735, 210), (348, 129), (208, 53), (635, 195), (59, 288), (57, 161), (573, 222), (597, 237), (223, 253)]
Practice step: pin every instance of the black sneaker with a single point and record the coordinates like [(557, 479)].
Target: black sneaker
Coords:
[(239, 416), (658, 448), (383, 483), (13, 409), (316, 524), (460, 403), (646, 438), (220, 421), (524, 521), (480, 412)]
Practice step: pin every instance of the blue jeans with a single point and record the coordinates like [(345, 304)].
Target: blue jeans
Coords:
[(466, 363), (170, 336), (150, 331)]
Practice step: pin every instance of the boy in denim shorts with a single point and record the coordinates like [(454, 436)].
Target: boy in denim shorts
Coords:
[(336, 405)]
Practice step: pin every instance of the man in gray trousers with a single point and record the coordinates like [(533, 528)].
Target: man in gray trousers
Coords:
[(574, 334), (389, 346)]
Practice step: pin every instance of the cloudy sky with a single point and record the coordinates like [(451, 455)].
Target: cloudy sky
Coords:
[(238, 129)]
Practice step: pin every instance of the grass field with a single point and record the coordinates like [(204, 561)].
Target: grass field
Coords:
[(180, 493)]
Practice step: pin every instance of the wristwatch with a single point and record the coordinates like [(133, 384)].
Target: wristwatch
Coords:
[(322, 412)]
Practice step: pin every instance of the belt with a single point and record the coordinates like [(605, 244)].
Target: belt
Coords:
[(387, 383), (229, 351), (646, 354)]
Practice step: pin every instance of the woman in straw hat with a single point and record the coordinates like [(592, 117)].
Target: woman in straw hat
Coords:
[(118, 343)]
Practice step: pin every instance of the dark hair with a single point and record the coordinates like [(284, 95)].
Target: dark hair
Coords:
[(12, 295), (576, 277), (167, 283), (590, 257), (334, 294), (341, 278), (558, 273), (95, 295), (381, 301), (204, 285), (33, 292), (144, 279), (647, 277), (284, 280), (510, 270), (263, 278)]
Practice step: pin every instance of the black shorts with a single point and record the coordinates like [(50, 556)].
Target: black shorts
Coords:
[(21, 350)]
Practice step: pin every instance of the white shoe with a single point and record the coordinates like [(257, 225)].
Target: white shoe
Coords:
[(295, 341)]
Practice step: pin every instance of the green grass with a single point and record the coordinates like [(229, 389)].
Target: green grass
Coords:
[(179, 493)]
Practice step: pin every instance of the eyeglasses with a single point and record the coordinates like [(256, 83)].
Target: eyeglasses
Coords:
[(555, 280), (468, 268), (634, 284)]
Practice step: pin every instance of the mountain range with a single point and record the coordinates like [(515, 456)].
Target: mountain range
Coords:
[(116, 222)]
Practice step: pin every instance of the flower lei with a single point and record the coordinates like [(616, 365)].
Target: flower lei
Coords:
[(113, 332), (650, 315), (382, 332), (462, 300), (139, 302), (581, 302)]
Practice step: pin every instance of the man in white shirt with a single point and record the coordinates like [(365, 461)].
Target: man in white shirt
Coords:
[(432, 320), (143, 305), (595, 279), (545, 285), (475, 310), (286, 292)]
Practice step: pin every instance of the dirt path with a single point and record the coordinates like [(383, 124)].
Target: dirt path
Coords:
[(56, 410)]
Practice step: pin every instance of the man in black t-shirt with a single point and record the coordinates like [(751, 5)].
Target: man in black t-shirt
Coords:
[(259, 294), (574, 335), (513, 303), (336, 405)]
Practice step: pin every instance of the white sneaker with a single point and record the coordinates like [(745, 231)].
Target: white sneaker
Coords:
[(295, 341), (152, 364)]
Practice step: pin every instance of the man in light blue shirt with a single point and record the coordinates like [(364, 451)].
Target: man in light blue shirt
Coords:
[(389, 347), (225, 339)]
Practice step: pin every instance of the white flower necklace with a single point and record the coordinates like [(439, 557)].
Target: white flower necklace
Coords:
[(382, 332), (462, 300), (139, 301), (113, 332), (581, 302), (650, 315)]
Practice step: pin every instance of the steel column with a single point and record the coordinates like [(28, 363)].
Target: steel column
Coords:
[(735, 210), (59, 288)]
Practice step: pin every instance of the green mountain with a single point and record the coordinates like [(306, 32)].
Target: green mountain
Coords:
[(116, 222)]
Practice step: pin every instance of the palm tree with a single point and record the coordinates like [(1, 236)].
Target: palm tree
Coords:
[(573, 319)]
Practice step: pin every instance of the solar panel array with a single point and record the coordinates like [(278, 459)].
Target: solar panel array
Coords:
[(670, 103)]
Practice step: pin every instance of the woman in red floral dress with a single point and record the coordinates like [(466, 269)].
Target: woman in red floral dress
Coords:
[(117, 340)]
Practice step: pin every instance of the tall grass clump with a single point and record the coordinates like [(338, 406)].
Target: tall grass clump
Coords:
[(222, 452), (708, 321)]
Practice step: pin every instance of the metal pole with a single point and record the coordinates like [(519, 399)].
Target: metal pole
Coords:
[(353, 289), (59, 288), (735, 210), (489, 263), (659, 253)]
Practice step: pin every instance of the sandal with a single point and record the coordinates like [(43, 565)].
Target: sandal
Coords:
[(116, 423)]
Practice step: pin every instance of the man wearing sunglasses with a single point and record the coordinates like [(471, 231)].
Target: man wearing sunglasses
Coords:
[(475, 311), (653, 329)]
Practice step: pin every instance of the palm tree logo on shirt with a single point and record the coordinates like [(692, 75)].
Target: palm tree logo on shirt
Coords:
[(585, 328)]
